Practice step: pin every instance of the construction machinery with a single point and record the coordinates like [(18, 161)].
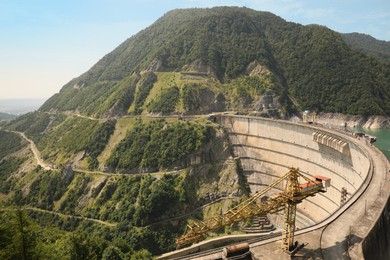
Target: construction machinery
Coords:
[(293, 193), (309, 117)]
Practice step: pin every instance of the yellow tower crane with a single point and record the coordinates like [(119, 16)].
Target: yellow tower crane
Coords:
[(293, 193)]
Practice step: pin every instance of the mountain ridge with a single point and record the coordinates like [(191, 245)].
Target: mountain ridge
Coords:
[(369, 45), (311, 66), (104, 136)]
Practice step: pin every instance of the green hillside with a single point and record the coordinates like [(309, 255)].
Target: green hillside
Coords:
[(121, 180), (369, 45), (116, 164), (311, 67)]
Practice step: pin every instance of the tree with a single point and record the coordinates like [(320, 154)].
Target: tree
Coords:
[(113, 253), (142, 254), (18, 235)]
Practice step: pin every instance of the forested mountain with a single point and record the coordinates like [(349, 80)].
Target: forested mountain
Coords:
[(98, 173), (311, 67), (123, 187), (369, 45)]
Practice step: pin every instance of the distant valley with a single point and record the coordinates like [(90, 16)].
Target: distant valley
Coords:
[(10, 108)]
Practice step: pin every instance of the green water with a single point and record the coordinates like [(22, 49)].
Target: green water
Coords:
[(382, 139)]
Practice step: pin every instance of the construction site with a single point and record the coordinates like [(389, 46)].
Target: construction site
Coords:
[(316, 192)]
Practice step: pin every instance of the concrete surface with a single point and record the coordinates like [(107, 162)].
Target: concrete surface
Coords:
[(329, 227)]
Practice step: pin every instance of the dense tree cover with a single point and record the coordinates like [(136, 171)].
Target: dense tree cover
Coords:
[(141, 204), (312, 64), (138, 204), (23, 238), (33, 124), (191, 96), (98, 141), (245, 90), (7, 167), (144, 88), (9, 143), (324, 74), (154, 145), (165, 102), (368, 45), (77, 134), (47, 187), (224, 38), (79, 188), (143, 201), (140, 200), (96, 99)]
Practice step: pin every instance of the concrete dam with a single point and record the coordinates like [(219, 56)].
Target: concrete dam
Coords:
[(267, 148), (349, 221)]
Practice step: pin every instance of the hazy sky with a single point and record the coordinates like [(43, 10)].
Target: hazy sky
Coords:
[(46, 43)]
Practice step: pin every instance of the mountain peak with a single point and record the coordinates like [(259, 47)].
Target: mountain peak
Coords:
[(310, 67)]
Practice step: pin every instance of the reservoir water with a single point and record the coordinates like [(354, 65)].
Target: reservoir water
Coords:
[(382, 138)]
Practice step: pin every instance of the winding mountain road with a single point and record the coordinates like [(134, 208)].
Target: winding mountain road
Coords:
[(35, 151), (46, 166), (109, 224)]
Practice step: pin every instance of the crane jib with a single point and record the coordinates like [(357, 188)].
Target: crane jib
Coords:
[(294, 193)]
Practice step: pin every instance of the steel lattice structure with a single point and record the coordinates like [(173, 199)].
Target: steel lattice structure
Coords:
[(293, 193)]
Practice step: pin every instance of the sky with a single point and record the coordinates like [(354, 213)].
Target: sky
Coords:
[(46, 43)]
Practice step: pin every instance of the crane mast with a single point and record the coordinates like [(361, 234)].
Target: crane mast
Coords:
[(293, 194)]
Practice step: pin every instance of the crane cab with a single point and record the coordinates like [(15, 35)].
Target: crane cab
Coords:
[(317, 184), (325, 180)]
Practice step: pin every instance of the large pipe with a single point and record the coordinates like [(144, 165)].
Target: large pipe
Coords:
[(235, 250)]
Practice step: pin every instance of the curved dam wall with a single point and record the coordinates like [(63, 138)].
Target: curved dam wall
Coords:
[(377, 243), (268, 148)]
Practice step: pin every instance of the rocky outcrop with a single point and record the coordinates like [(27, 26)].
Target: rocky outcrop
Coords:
[(199, 67), (122, 104), (155, 65), (209, 102), (255, 69), (150, 78), (353, 120), (267, 103)]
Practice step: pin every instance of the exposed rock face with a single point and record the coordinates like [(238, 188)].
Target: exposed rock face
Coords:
[(255, 69), (212, 181), (200, 67), (267, 102), (377, 122), (67, 174), (209, 102), (155, 65), (122, 104), (77, 86), (362, 121), (219, 103), (149, 79)]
